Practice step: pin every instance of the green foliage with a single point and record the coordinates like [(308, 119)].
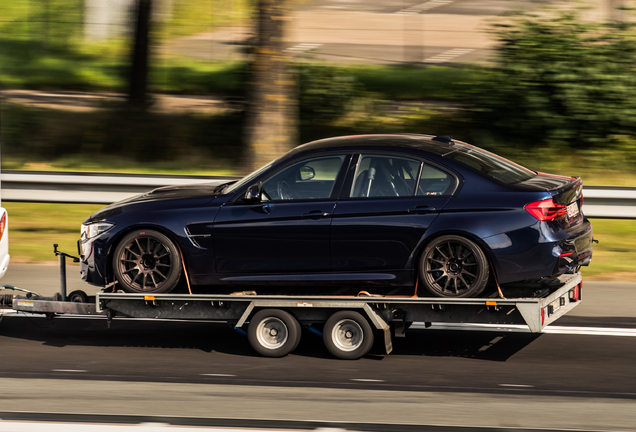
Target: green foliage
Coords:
[(118, 132), (195, 16), (49, 21), (325, 93), (559, 82), (431, 83)]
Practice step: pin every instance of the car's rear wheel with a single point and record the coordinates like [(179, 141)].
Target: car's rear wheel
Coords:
[(146, 261), (454, 266)]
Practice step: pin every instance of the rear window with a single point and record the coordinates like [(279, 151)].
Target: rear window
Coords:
[(491, 165)]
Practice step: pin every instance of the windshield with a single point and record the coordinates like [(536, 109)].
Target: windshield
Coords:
[(245, 180), (491, 165)]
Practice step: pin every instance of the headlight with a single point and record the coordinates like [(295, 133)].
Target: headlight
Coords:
[(95, 229)]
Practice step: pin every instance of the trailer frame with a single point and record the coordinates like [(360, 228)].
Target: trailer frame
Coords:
[(286, 314)]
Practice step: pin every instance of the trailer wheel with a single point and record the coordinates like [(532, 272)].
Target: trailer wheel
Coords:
[(273, 332), (78, 296), (347, 335), (454, 266), (146, 261)]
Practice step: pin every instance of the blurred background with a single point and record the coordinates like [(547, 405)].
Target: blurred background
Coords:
[(179, 87), (171, 86)]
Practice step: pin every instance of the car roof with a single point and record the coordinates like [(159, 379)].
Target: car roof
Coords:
[(405, 141)]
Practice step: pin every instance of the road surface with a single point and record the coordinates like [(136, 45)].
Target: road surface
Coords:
[(580, 381)]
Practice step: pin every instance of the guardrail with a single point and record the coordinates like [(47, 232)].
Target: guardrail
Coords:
[(105, 188)]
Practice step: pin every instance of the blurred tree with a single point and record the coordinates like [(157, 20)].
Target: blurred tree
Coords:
[(559, 81), (139, 65), (270, 128), (325, 93)]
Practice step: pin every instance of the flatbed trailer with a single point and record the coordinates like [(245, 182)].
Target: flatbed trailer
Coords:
[(348, 323)]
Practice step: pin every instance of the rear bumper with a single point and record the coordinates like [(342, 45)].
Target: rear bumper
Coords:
[(576, 250)]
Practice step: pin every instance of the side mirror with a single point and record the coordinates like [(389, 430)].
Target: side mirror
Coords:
[(253, 193), (306, 173)]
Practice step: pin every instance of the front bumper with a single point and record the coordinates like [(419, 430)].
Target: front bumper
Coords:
[(93, 261)]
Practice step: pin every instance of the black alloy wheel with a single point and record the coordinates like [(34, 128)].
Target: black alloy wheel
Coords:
[(146, 261), (454, 266)]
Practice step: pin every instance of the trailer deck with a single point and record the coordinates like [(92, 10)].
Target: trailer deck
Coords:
[(347, 322)]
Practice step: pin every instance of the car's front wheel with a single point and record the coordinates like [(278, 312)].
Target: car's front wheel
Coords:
[(454, 266), (146, 261)]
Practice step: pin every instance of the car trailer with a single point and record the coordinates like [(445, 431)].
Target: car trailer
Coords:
[(348, 324)]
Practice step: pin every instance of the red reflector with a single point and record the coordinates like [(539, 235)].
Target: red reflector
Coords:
[(542, 316), (575, 293), (547, 210), (566, 254)]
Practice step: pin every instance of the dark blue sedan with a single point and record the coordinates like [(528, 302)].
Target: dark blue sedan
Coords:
[(380, 210)]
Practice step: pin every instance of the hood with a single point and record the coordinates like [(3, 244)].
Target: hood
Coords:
[(201, 193), (199, 190)]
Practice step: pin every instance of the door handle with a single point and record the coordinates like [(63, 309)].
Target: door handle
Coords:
[(316, 214), (422, 209)]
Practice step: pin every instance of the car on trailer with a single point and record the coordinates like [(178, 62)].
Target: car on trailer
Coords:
[(381, 210)]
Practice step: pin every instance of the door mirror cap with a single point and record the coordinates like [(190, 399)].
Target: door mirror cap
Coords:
[(253, 193)]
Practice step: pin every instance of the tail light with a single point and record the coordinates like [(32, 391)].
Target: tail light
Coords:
[(3, 224), (547, 210)]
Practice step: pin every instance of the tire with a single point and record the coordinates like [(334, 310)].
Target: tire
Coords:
[(299, 331), (454, 266), (347, 335), (273, 332), (77, 297), (146, 261)]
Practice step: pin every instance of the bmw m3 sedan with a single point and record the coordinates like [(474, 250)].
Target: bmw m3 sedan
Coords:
[(379, 210)]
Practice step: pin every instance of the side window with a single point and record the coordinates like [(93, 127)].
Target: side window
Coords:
[(435, 182), (309, 179), (385, 176)]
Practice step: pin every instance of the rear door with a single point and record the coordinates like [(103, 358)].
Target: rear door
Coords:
[(387, 204)]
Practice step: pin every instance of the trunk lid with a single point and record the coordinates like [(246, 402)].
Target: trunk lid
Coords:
[(567, 191)]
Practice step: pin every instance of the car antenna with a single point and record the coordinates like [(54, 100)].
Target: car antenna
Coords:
[(444, 138)]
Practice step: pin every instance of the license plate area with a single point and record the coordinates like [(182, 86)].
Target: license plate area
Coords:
[(573, 210), (556, 305)]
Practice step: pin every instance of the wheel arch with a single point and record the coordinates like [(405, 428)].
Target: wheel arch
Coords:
[(124, 232), (415, 258)]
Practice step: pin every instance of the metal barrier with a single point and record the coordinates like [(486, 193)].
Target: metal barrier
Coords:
[(105, 188)]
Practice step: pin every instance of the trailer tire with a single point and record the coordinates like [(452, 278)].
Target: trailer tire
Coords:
[(77, 296), (348, 335), (146, 261), (273, 332), (454, 266)]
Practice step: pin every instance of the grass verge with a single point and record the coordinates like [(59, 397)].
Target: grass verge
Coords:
[(34, 227)]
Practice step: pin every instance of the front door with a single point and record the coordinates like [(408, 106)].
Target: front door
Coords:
[(288, 230)]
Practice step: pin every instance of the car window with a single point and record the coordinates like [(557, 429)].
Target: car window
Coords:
[(435, 182), (309, 179), (248, 178), (491, 165), (385, 176)]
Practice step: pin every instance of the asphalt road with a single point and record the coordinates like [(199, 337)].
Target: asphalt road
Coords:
[(433, 377)]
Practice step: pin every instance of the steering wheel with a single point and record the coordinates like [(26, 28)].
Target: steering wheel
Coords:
[(284, 190)]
